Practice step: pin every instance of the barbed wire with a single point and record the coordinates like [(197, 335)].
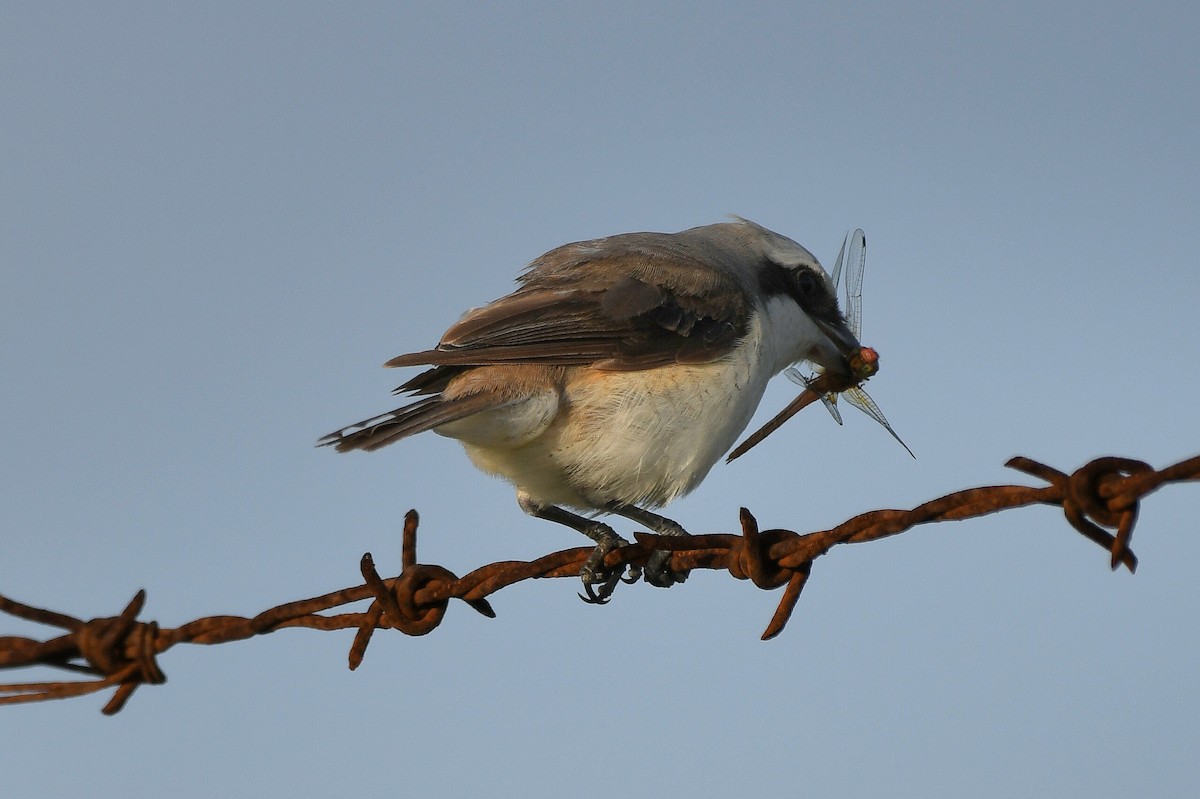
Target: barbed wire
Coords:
[(121, 652)]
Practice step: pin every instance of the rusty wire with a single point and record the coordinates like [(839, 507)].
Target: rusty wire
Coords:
[(121, 652)]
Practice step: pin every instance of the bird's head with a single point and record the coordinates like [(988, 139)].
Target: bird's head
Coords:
[(785, 272)]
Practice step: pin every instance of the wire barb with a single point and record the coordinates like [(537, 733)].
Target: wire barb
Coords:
[(121, 652)]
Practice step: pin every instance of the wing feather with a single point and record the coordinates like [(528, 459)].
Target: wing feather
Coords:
[(426, 414), (631, 302)]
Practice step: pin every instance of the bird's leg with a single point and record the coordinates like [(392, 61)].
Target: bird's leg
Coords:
[(592, 571), (658, 567)]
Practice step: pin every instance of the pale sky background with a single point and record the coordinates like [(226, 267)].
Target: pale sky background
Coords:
[(218, 220)]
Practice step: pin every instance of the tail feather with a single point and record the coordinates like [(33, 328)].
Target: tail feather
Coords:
[(379, 431)]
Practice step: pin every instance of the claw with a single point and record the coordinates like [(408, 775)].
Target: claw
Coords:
[(607, 586), (593, 573), (591, 598), (594, 598)]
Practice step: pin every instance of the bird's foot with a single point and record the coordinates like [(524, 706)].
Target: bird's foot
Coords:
[(658, 571), (658, 567), (600, 582)]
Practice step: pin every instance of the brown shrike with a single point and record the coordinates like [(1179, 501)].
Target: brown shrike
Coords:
[(619, 372)]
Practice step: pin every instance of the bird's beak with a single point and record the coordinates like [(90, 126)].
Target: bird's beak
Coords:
[(836, 350)]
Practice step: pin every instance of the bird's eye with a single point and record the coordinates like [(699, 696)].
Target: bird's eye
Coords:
[(806, 283)]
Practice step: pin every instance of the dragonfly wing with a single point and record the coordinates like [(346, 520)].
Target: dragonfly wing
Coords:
[(830, 401), (862, 400), (856, 263), (837, 266)]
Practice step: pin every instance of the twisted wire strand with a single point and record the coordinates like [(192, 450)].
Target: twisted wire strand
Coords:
[(121, 652)]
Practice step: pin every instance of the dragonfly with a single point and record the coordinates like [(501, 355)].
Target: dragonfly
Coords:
[(863, 365)]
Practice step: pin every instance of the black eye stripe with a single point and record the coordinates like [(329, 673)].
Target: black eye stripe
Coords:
[(803, 285)]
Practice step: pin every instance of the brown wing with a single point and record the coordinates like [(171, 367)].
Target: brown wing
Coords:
[(630, 302)]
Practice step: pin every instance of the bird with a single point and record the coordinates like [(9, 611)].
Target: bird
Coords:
[(618, 373)]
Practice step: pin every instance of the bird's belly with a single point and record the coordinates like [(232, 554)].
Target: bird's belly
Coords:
[(641, 438), (647, 438)]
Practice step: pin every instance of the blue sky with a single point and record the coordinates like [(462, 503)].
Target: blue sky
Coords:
[(217, 220)]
